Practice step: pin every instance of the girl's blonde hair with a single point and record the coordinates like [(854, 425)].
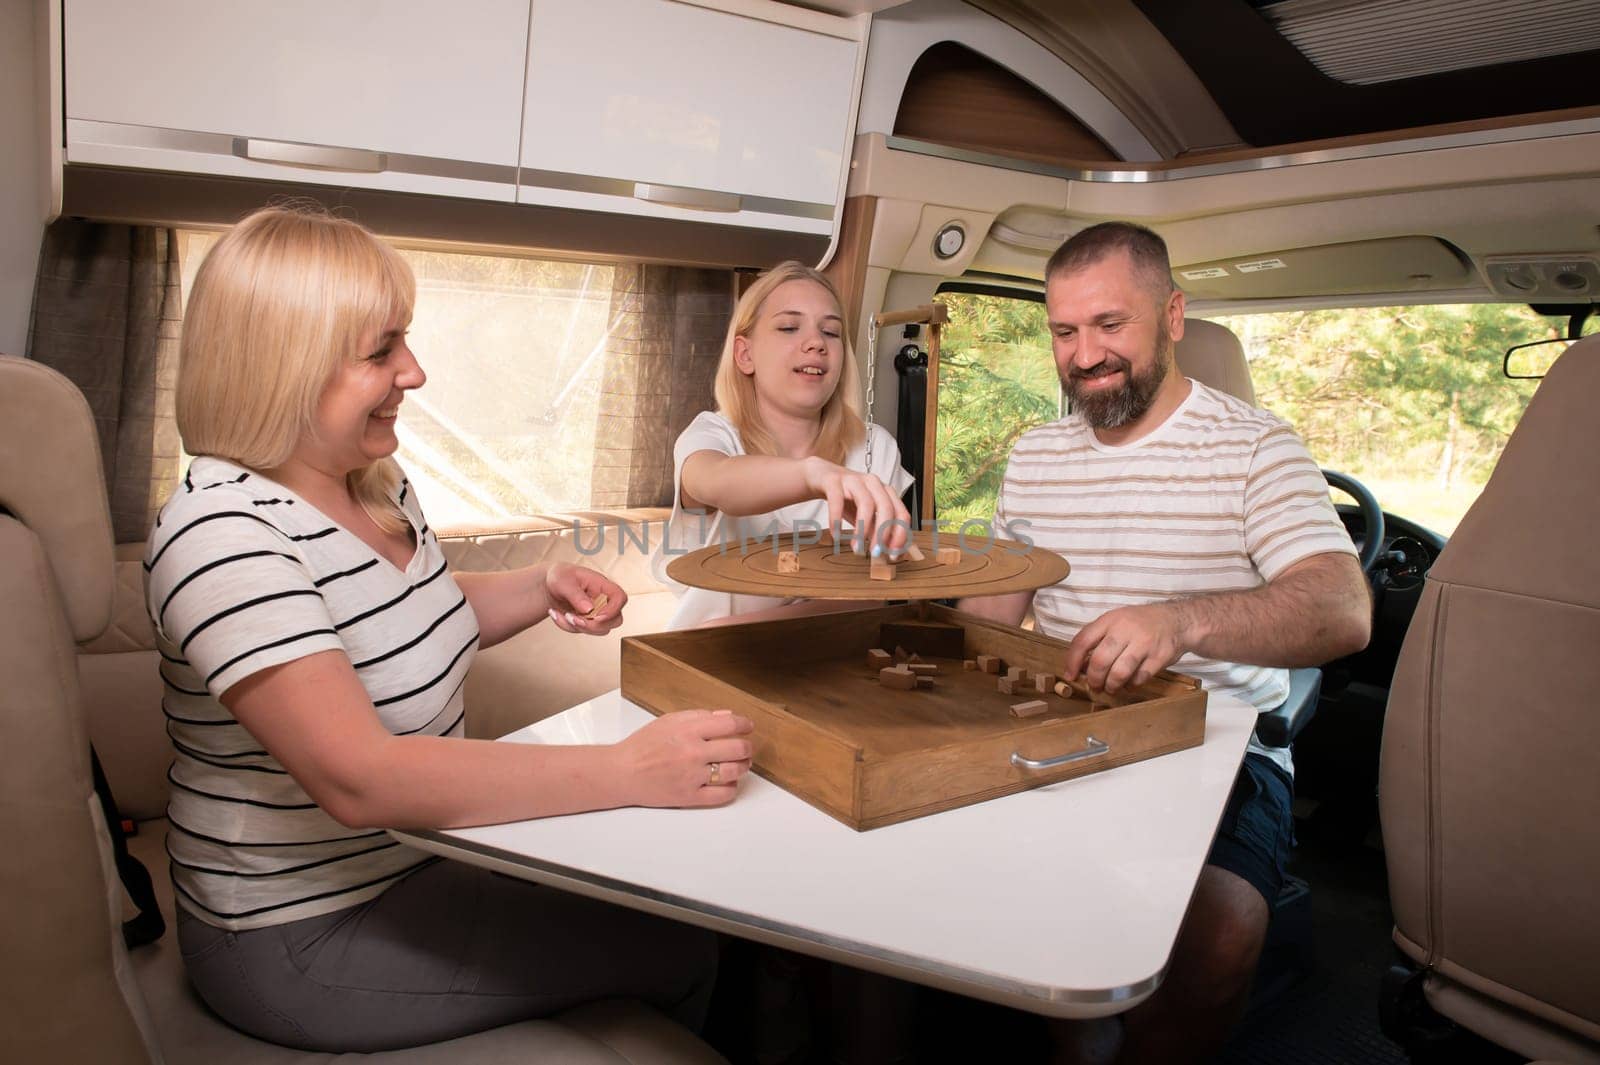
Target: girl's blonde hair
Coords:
[(842, 425), (281, 300)]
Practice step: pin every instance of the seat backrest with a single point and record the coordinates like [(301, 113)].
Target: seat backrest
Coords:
[(1488, 789), (1212, 355), (66, 993)]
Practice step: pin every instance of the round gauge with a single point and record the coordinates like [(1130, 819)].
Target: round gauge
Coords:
[(949, 241), (1409, 560)]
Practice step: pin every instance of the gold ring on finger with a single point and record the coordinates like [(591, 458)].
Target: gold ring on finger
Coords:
[(716, 772)]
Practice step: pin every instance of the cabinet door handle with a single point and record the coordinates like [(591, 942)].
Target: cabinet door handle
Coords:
[(678, 196), (1091, 748), (311, 156)]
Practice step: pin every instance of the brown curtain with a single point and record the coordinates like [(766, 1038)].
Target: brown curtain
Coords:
[(661, 361), (106, 313)]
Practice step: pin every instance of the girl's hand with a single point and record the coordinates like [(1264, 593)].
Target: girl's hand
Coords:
[(879, 518), (583, 600), (690, 758)]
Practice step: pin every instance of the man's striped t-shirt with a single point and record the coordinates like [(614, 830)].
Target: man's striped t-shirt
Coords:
[(242, 574), (1221, 497)]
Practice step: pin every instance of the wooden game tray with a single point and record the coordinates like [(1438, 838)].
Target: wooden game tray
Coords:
[(988, 566), (829, 732)]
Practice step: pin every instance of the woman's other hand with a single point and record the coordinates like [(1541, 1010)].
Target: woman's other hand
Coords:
[(691, 758), (877, 514), (583, 600)]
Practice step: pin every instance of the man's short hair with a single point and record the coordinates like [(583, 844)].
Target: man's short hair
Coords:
[(1146, 250)]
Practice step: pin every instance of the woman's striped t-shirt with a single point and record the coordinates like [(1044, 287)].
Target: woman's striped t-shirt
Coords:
[(242, 574), (1222, 497)]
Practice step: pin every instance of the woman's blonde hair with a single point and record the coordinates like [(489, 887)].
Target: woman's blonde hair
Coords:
[(282, 299), (842, 425)]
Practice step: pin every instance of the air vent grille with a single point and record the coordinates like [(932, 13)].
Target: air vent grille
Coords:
[(1365, 42)]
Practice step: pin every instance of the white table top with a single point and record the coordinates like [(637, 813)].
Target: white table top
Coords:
[(1064, 900)]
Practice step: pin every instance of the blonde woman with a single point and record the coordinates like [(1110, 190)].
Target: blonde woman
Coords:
[(314, 647), (787, 447)]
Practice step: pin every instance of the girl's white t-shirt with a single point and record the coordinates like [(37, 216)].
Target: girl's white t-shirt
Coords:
[(689, 531)]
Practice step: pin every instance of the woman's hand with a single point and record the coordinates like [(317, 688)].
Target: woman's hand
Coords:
[(691, 758), (864, 501), (583, 600)]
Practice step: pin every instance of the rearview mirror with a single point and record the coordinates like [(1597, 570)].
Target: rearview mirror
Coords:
[(1531, 361)]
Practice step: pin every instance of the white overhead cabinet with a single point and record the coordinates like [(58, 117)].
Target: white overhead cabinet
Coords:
[(728, 111), (406, 95), (740, 114)]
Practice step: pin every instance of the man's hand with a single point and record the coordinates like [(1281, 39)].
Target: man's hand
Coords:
[(1127, 646)]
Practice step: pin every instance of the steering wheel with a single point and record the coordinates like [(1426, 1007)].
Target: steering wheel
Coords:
[(1371, 516)]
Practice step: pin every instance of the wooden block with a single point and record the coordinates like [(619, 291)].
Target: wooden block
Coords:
[(788, 562), (899, 679), (878, 658), (900, 653), (934, 639), (1043, 682), (913, 552), (948, 556), (1029, 708), (882, 570), (914, 657), (597, 604), (924, 682), (1017, 675), (1064, 690), (922, 667), (1007, 686), (970, 665), (988, 663)]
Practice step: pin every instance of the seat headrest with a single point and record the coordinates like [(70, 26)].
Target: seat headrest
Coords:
[(1212, 355), (51, 479), (1531, 531)]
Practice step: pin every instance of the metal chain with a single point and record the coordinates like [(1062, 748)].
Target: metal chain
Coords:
[(872, 379)]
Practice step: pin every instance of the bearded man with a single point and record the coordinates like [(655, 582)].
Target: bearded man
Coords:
[(1201, 537)]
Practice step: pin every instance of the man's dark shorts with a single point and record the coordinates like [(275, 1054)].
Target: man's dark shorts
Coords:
[(1257, 827)]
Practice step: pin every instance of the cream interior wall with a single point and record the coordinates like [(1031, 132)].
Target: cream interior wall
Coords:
[(23, 195)]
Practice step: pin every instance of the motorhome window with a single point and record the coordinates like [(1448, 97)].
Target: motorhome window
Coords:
[(996, 381), (1409, 400), (544, 394)]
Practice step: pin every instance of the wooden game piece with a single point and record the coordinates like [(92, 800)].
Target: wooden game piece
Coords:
[(1043, 682), (923, 682), (901, 654), (970, 664), (597, 604), (897, 678), (1007, 686), (1017, 675), (1029, 708), (1077, 689), (788, 562), (882, 570), (922, 667), (988, 663), (948, 556), (878, 658), (914, 657)]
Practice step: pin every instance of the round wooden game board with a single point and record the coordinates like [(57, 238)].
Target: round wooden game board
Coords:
[(987, 567)]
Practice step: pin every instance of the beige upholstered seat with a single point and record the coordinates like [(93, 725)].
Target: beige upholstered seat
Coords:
[(69, 991), (1489, 790), (1212, 355)]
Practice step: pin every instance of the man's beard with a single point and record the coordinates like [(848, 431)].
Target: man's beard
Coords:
[(1116, 407)]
